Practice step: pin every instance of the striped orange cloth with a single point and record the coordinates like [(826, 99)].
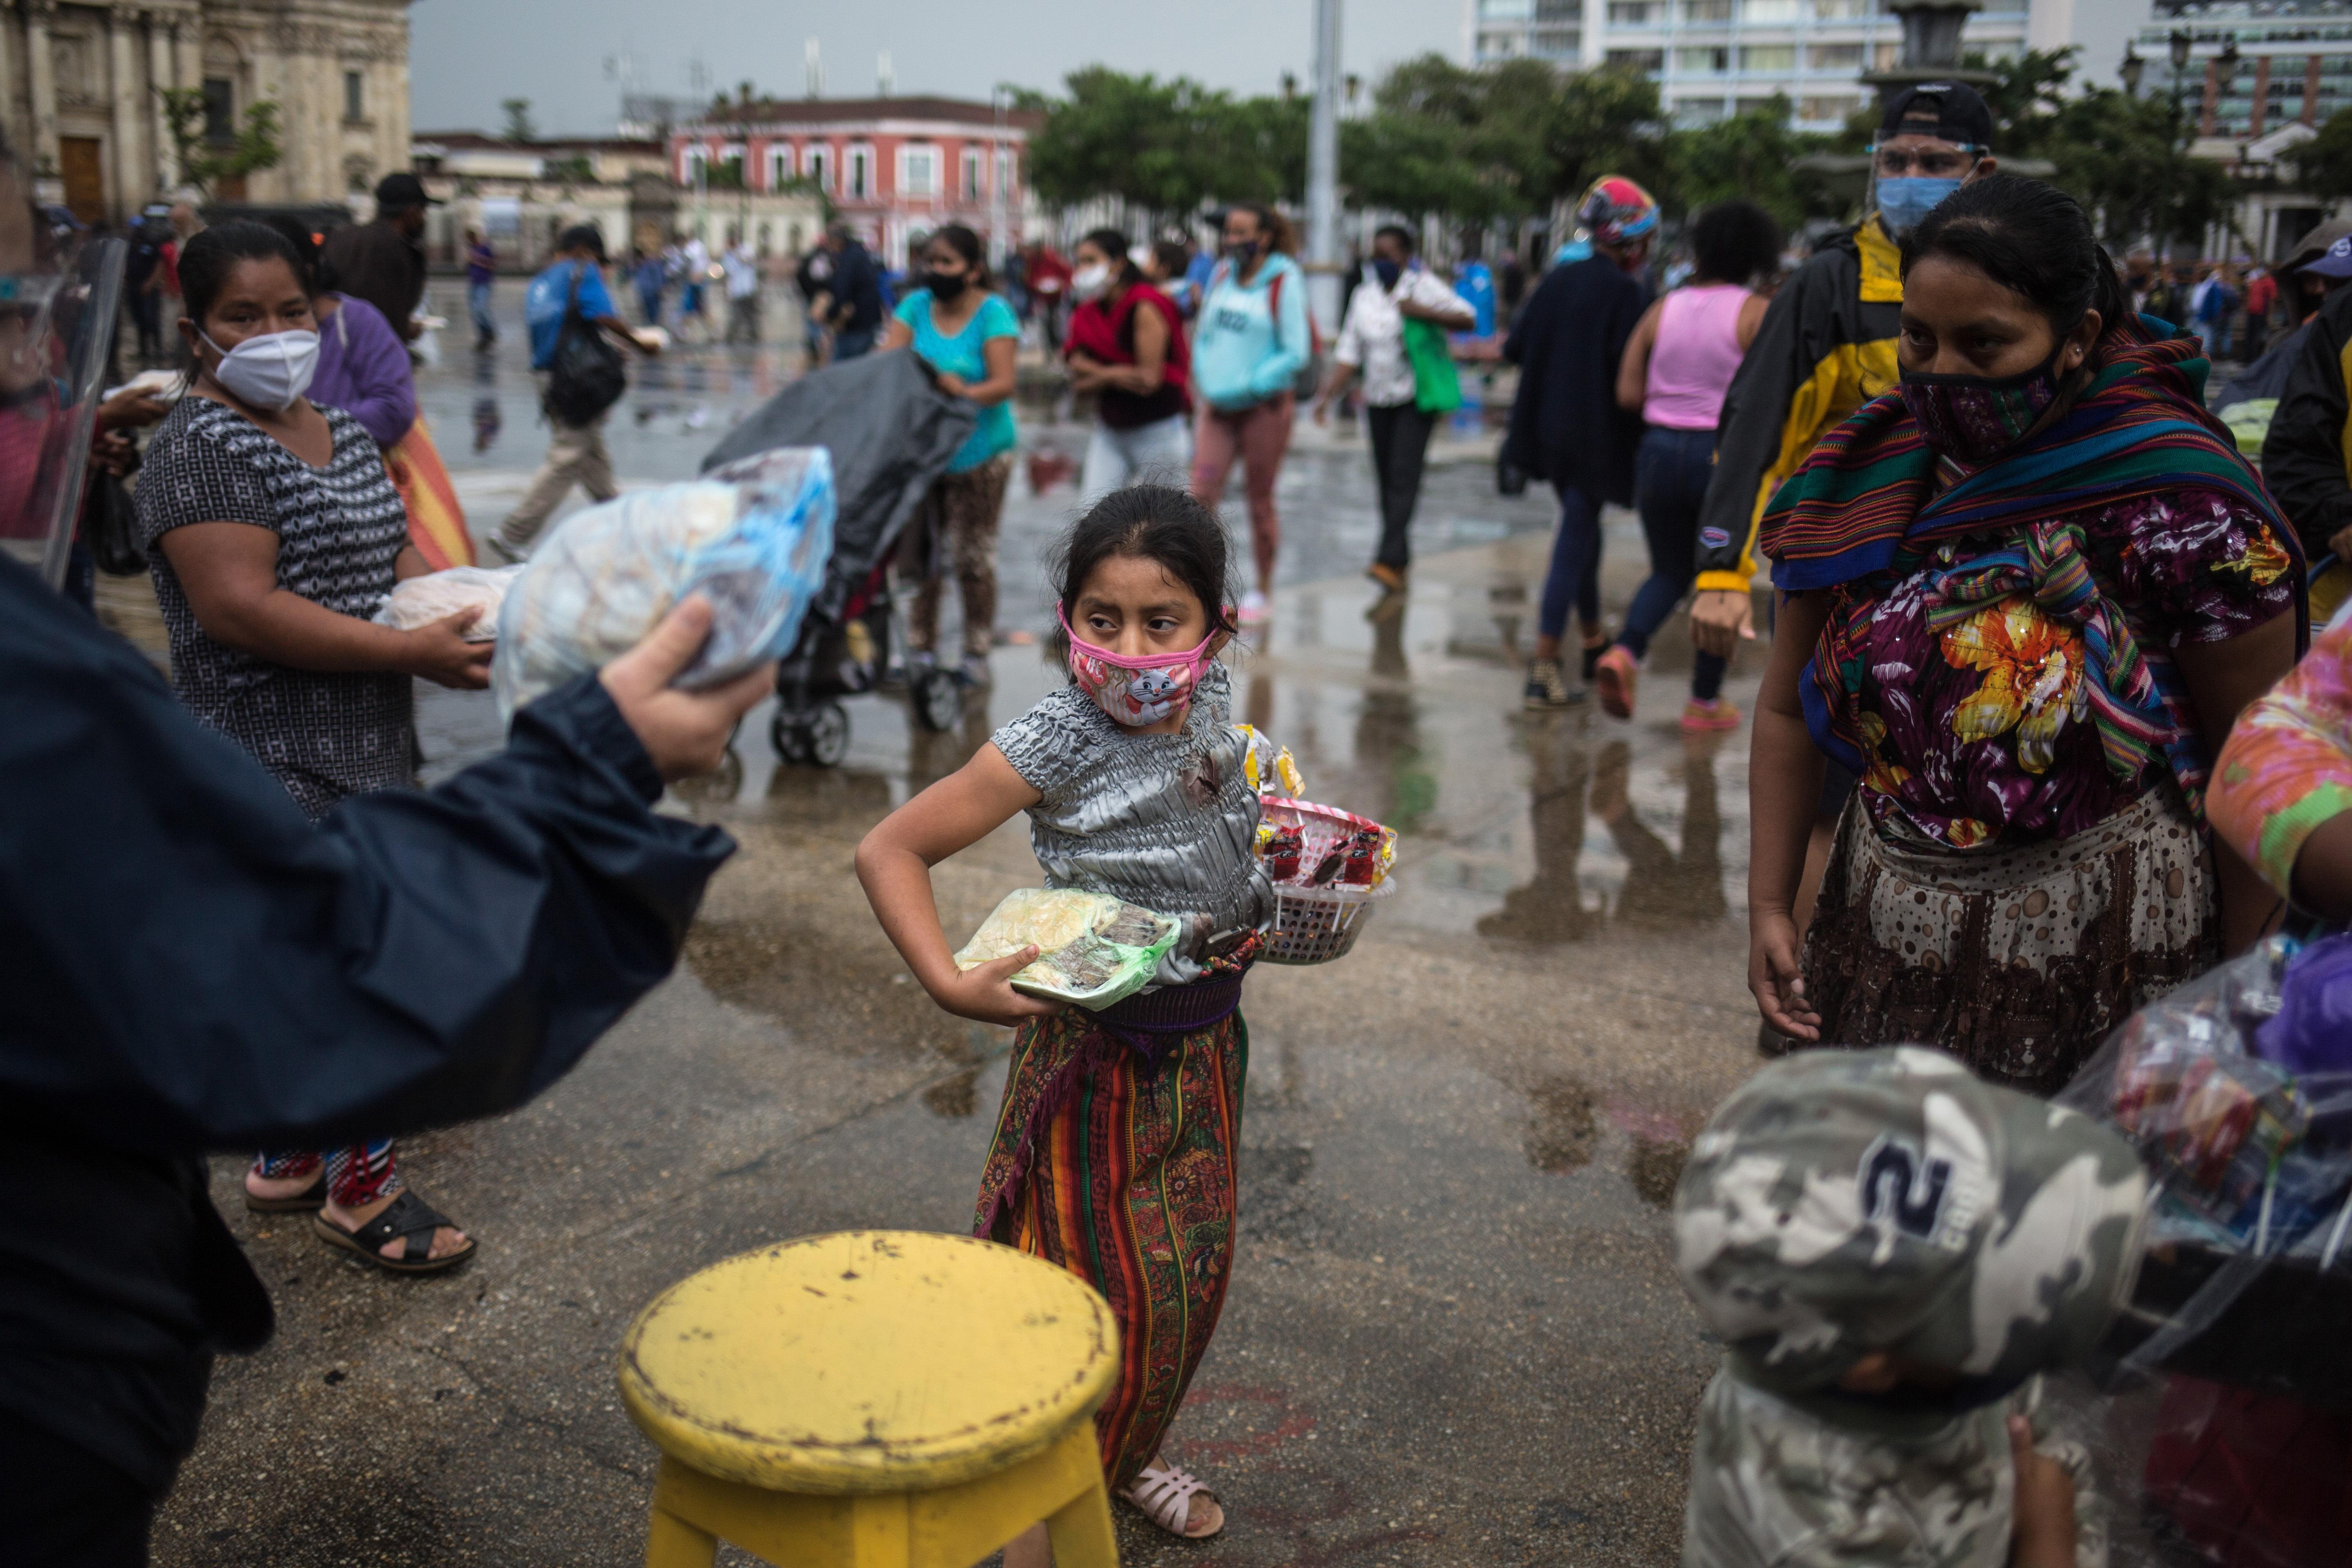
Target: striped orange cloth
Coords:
[(437, 523)]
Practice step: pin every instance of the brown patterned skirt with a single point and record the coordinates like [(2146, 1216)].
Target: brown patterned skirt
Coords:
[(2016, 961)]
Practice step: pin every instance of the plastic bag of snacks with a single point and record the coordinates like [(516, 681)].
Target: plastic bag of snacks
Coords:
[(1092, 948), (1329, 868), (752, 537), (420, 601)]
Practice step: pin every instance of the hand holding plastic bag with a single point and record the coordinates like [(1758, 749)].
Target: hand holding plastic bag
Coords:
[(752, 537), (436, 596)]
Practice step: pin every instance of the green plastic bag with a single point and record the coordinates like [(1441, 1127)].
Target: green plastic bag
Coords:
[(2250, 422), (1435, 388)]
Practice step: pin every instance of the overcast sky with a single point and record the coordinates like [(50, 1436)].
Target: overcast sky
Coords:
[(465, 55)]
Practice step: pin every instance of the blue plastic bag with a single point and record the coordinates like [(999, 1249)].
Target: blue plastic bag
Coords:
[(752, 537)]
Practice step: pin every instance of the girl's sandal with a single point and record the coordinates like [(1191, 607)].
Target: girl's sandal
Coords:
[(1164, 1495), (408, 1219)]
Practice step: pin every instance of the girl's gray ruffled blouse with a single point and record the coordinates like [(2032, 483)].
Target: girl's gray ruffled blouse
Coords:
[(1169, 822)]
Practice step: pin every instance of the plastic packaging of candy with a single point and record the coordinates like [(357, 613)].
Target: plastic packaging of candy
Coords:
[(1269, 768), (434, 596), (752, 537), (1329, 869), (1092, 948)]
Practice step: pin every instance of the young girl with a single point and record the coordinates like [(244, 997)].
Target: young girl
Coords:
[(1114, 1154)]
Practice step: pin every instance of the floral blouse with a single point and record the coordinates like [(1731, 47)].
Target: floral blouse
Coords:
[(1979, 721), (2288, 764)]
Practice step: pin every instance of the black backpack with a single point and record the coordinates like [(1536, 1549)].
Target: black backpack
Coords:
[(584, 376)]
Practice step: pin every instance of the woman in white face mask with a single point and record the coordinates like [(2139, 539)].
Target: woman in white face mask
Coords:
[(273, 534), (1127, 346)]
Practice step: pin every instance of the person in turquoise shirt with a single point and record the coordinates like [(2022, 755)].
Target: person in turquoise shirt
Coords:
[(969, 335), (1251, 341)]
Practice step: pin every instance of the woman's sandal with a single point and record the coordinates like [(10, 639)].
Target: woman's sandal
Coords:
[(1164, 1494), (407, 1216), (310, 1200)]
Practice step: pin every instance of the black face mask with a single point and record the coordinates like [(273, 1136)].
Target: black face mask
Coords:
[(1387, 272), (945, 285)]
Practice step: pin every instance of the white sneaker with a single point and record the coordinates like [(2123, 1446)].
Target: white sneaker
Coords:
[(1254, 608)]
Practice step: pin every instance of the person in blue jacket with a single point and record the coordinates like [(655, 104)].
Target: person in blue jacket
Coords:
[(1250, 344), (191, 966)]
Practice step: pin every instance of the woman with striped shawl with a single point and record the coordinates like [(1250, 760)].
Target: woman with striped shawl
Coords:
[(2025, 594)]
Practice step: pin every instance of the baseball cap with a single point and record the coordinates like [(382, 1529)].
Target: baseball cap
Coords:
[(400, 190), (1615, 209), (1846, 1201), (2335, 261), (1948, 110)]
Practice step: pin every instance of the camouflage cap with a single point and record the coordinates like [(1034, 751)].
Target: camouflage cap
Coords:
[(1845, 1202)]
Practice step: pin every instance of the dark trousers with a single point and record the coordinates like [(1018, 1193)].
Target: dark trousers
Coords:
[(1573, 578), (1670, 475), (66, 1508), (1400, 444)]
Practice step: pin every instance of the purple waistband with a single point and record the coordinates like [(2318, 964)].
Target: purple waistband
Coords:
[(1176, 1009)]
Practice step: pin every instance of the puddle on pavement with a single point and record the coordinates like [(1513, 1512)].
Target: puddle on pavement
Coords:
[(1654, 1169)]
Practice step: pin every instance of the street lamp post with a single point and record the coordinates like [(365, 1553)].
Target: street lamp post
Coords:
[(2131, 71), (1323, 173)]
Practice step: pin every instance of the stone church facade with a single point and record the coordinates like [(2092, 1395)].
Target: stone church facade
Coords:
[(78, 94)]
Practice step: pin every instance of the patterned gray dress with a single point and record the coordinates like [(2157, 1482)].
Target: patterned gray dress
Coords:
[(324, 736)]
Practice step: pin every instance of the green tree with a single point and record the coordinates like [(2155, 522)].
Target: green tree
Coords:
[(206, 163), (520, 125), (2126, 159), (2323, 166), (1750, 156)]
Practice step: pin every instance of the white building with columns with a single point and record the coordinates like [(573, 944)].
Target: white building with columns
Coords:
[(78, 95)]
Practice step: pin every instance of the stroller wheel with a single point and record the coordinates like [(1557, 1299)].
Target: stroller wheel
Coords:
[(827, 735), (789, 730), (937, 699)]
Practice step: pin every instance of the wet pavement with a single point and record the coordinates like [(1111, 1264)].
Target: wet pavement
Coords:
[(1454, 1335)]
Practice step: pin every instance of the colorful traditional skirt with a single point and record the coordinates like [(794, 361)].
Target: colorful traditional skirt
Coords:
[(1115, 1157), (2016, 961)]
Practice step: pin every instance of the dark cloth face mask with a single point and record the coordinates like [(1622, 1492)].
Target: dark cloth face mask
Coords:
[(945, 285), (1976, 418), (1388, 272)]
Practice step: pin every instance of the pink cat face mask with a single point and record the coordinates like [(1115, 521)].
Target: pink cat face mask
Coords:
[(1136, 691)]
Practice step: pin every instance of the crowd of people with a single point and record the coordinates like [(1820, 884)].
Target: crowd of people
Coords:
[(2043, 735)]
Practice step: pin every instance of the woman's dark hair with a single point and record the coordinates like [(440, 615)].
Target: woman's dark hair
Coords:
[(1733, 242), (966, 244), (1402, 235), (306, 249), (1150, 522), (1173, 254), (1275, 228), (1112, 243), (213, 254), (2032, 240)]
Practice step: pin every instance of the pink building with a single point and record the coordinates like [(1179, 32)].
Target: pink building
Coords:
[(892, 167)]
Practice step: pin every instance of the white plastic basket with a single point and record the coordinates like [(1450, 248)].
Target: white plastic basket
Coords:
[(1316, 925)]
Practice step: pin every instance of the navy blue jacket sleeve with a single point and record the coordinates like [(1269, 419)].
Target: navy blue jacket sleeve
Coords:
[(188, 964)]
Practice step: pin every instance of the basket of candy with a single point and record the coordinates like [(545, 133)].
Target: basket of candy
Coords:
[(1330, 870)]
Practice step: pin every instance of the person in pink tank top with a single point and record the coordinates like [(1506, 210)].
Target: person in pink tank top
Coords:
[(1676, 368)]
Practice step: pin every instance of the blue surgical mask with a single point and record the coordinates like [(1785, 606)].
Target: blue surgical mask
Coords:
[(1905, 199)]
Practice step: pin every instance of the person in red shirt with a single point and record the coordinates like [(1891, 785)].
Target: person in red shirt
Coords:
[(2262, 293)]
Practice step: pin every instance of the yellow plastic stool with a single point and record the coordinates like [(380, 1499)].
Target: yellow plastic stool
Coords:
[(874, 1397)]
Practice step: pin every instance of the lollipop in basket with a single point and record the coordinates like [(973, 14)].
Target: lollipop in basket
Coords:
[(1330, 867)]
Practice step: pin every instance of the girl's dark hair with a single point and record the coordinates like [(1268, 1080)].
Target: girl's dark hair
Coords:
[(2031, 238), (1152, 522), (1733, 242), (214, 253), (966, 244), (306, 249), (1275, 228), (1112, 243)]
